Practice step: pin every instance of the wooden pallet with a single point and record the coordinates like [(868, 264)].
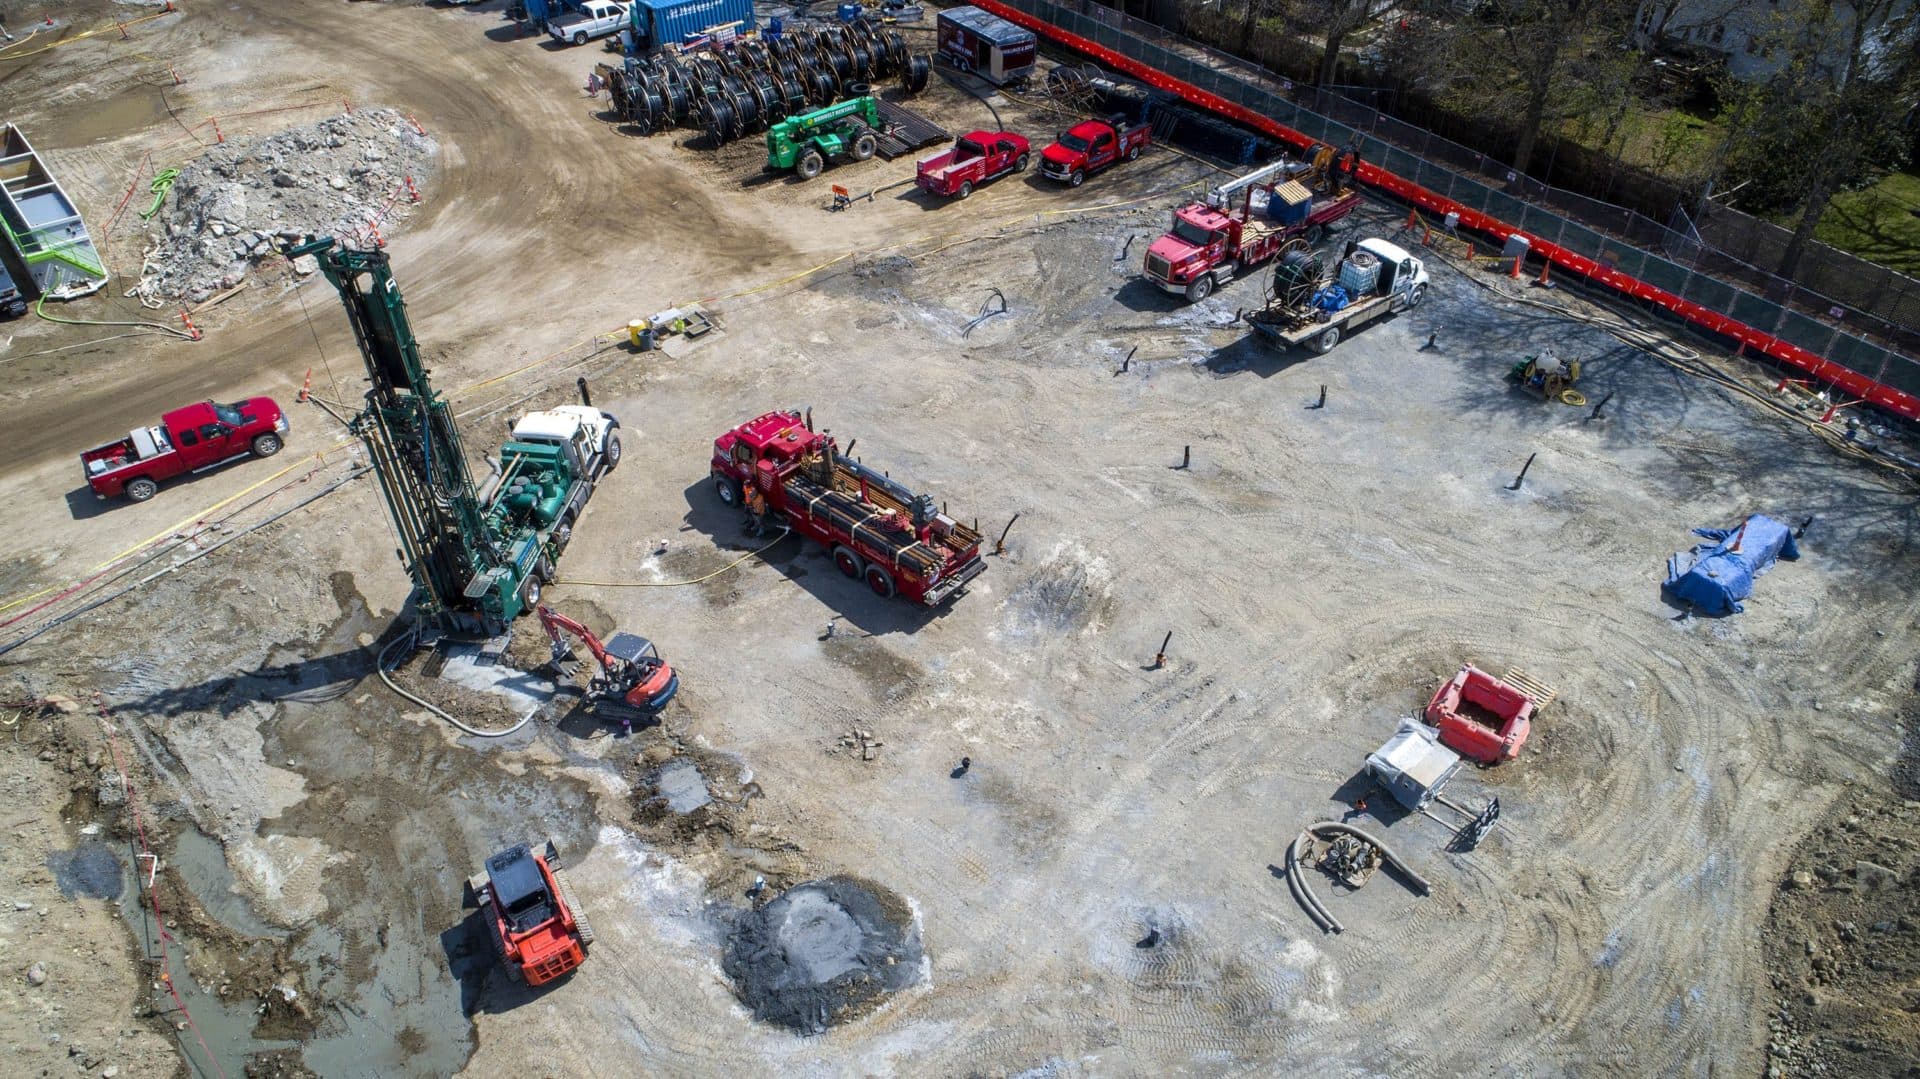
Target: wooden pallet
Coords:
[(1541, 693)]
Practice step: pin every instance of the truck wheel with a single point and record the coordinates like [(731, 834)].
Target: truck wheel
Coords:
[(1328, 338), (16, 308), (1077, 177), (966, 188), (850, 563), (1201, 288), (809, 165), (613, 452), (728, 490), (1413, 298), (1314, 235), (1133, 152), (1020, 163), (880, 581), (141, 489), (864, 146), (266, 445), (579, 37), (530, 592)]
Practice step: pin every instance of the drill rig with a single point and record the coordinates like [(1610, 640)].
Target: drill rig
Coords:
[(478, 556)]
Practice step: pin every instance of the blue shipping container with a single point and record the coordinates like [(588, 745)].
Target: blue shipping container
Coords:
[(670, 22)]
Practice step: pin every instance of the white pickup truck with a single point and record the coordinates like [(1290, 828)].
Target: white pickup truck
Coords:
[(596, 18)]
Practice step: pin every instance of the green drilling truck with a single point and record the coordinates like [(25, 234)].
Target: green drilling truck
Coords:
[(806, 142), (479, 554)]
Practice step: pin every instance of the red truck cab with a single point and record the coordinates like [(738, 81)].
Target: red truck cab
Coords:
[(191, 439), (1092, 145), (974, 158), (877, 530), (1206, 246)]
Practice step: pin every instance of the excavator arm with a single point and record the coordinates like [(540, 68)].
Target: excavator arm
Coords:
[(558, 626)]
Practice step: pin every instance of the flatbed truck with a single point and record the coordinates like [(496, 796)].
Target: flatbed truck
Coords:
[(1397, 281)]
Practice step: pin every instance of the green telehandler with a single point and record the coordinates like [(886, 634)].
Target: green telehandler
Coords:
[(805, 142)]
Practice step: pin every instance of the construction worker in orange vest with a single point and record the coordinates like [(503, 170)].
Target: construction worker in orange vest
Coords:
[(756, 509)]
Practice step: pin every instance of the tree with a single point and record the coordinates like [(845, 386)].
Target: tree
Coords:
[(1332, 21), (1535, 62), (1830, 114)]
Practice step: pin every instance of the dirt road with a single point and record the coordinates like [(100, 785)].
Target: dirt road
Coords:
[(1096, 894)]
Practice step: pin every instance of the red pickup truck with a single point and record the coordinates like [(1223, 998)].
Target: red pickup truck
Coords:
[(1090, 146), (975, 158), (190, 439)]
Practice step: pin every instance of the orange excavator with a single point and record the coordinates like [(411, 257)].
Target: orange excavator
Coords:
[(633, 679)]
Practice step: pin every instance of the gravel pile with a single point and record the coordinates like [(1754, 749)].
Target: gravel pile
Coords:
[(822, 953), (229, 208)]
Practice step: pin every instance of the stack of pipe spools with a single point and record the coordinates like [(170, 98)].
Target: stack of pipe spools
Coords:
[(742, 88)]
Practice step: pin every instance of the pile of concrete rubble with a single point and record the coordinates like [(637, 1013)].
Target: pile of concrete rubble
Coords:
[(346, 176)]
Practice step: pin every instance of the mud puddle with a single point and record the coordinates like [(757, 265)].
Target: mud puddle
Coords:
[(823, 953), (202, 865), (410, 813), (92, 870), (220, 1037)]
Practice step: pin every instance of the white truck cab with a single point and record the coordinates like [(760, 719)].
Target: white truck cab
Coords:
[(593, 434), (596, 18), (1400, 272)]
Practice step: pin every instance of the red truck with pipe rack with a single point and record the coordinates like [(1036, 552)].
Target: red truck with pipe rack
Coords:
[(1243, 223), (877, 529)]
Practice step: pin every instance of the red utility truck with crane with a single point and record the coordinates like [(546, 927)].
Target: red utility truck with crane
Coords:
[(538, 929), (877, 529), (1233, 231), (633, 678)]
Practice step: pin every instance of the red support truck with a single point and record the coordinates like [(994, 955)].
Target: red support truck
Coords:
[(191, 439), (974, 158), (1092, 145), (877, 530), (1233, 231)]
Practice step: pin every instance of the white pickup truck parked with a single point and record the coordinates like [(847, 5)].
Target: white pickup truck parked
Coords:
[(596, 18)]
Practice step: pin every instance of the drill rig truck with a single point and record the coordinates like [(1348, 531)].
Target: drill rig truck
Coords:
[(478, 554)]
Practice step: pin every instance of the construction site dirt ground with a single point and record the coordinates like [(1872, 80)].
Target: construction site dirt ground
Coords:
[(1099, 893)]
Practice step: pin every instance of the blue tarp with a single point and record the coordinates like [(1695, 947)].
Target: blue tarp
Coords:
[(1715, 576)]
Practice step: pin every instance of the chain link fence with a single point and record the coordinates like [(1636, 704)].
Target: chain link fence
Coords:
[(1677, 260)]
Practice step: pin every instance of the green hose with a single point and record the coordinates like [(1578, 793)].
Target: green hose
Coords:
[(39, 308), (161, 184)]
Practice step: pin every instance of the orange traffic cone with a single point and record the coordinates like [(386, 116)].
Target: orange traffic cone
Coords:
[(193, 332), (306, 387), (1542, 280)]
